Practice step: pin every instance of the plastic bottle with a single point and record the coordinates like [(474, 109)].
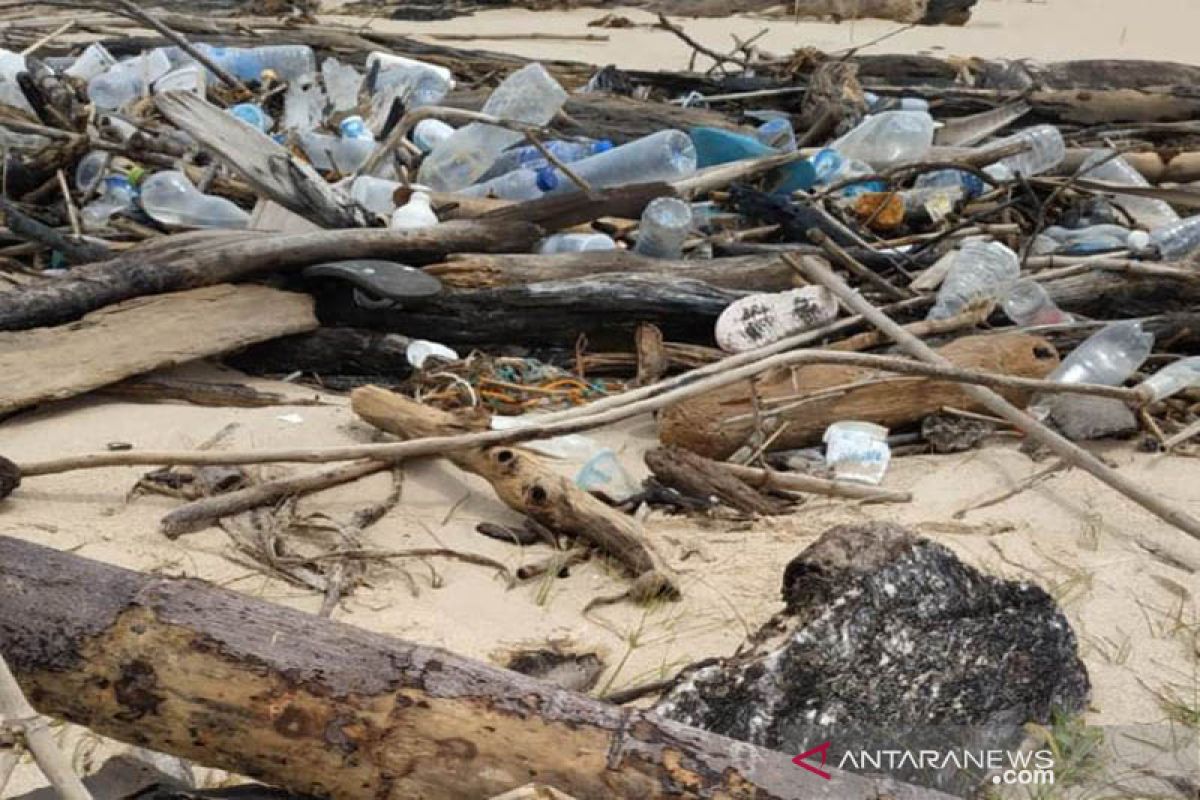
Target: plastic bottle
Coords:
[(127, 80), (970, 184), (1045, 152), (528, 95), (429, 133), (91, 62), (719, 146), (981, 270), (303, 105), (11, 65), (416, 213), (116, 195), (520, 184), (888, 138), (1103, 165), (1092, 239), (416, 86), (876, 103), (777, 134), (575, 243), (664, 156), (386, 60), (342, 83), (190, 78), (1108, 356), (288, 61), (664, 228), (253, 115), (1178, 239), (344, 153), (831, 167), (1173, 378), (91, 169), (529, 156), (170, 198), (374, 194), (1028, 303)]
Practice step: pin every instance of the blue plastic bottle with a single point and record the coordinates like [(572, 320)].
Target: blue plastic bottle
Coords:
[(716, 146)]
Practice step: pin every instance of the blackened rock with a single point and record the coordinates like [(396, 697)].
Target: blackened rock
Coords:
[(890, 641)]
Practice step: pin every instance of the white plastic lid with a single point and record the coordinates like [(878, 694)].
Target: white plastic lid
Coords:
[(421, 349)]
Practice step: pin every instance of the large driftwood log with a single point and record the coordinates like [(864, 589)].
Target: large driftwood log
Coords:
[(526, 485), (320, 707), (339, 351), (142, 335), (803, 402), (764, 273), (204, 258)]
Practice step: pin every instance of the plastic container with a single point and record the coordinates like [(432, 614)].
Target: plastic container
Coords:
[(604, 474), (288, 61), (777, 134), (430, 133), (375, 194), (831, 167), (116, 194), (386, 60), (528, 95), (888, 138), (127, 80), (1092, 239), (253, 115), (91, 62), (969, 184), (1178, 239), (857, 451), (342, 83), (344, 153), (663, 156), (982, 270), (1108, 357), (1173, 378), (877, 103), (1027, 303), (303, 106), (664, 228), (718, 146), (1103, 165), (416, 213), (91, 170), (420, 350), (170, 198), (1046, 151), (575, 243), (532, 158), (415, 86), (190, 78), (520, 184), (11, 65)]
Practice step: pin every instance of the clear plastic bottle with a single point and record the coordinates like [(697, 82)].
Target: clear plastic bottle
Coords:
[(342, 83), (970, 184), (388, 60), (189, 78), (1103, 165), (91, 62), (375, 194), (11, 65), (664, 156), (429, 133), (303, 105), (981, 270), (416, 213), (1028, 303), (529, 156), (127, 80), (664, 228), (520, 184), (575, 243), (416, 86), (170, 198), (1045, 152), (116, 194), (1092, 239), (834, 168), (344, 153), (91, 170), (529, 95), (1173, 378), (777, 133), (253, 115), (1178, 239), (288, 61), (876, 103), (888, 138), (1108, 357)]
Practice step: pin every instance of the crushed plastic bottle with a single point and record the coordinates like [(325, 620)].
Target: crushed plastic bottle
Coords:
[(344, 153), (342, 83), (303, 106), (530, 157), (1178, 239), (117, 194), (1092, 239), (375, 194), (876, 103), (429, 133), (888, 138), (529, 95), (170, 198), (388, 60), (91, 62), (969, 184), (127, 80), (416, 213), (982, 270), (777, 134), (1028, 303), (832, 168), (575, 243), (663, 156), (415, 86), (520, 184), (1108, 357), (1104, 165), (665, 224), (288, 61), (253, 115), (91, 169), (1172, 379), (1046, 151)]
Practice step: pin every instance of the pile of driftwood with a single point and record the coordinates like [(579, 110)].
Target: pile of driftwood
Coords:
[(340, 712)]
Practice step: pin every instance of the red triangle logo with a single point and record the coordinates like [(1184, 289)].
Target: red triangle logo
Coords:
[(823, 750)]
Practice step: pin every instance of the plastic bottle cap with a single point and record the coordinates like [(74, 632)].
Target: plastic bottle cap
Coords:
[(547, 179), (602, 146), (353, 127), (1138, 240)]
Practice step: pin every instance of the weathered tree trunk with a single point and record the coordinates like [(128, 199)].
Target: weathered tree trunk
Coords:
[(805, 401), (325, 708), (764, 273), (204, 258), (697, 476), (338, 351)]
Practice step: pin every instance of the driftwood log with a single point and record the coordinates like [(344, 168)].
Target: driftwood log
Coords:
[(338, 351), (142, 335), (525, 484), (801, 403), (696, 476), (204, 258), (319, 707)]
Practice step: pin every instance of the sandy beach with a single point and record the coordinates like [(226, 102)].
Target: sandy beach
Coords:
[(1134, 614)]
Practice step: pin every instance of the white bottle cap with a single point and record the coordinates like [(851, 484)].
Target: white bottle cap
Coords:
[(1138, 241)]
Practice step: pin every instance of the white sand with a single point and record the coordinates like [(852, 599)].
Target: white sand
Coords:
[(1134, 615)]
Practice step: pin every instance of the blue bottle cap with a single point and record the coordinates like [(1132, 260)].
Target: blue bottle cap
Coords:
[(353, 128), (827, 163), (602, 146), (547, 179)]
